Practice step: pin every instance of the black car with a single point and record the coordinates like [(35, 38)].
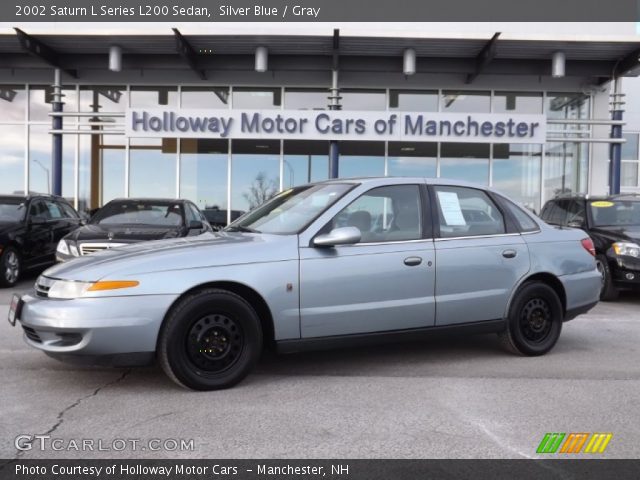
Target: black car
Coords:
[(30, 228), (132, 220), (613, 223), (218, 218)]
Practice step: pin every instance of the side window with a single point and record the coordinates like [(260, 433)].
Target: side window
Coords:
[(385, 214), (466, 212), (524, 220), (192, 213), (55, 212), (38, 211), (576, 214), (67, 211)]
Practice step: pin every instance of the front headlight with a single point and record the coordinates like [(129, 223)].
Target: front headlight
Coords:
[(68, 289), (62, 247), (627, 248)]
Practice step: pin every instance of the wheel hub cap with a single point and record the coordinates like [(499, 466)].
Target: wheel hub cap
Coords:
[(12, 267), (536, 320), (214, 342)]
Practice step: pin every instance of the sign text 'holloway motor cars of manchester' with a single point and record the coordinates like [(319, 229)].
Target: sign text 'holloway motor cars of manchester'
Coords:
[(336, 125)]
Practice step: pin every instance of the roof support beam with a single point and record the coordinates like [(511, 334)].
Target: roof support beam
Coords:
[(628, 66), (484, 58), (186, 51), (42, 51)]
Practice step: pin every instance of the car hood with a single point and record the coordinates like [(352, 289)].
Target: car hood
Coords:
[(122, 233), (206, 250), (618, 233)]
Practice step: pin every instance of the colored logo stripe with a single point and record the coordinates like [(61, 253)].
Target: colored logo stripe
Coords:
[(574, 442), (550, 443), (598, 442)]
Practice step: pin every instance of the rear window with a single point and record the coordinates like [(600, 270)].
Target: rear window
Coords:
[(524, 221)]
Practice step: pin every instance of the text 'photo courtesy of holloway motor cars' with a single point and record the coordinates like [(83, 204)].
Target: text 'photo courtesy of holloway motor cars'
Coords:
[(309, 269)]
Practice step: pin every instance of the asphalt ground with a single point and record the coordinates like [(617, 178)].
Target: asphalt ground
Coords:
[(452, 397)]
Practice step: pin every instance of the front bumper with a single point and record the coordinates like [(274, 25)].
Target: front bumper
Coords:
[(94, 330)]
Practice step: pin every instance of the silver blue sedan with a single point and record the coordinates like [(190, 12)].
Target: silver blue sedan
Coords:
[(328, 264)]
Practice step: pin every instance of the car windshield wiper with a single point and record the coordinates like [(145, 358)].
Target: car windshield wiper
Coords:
[(240, 228)]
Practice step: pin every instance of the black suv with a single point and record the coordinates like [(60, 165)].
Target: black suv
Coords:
[(30, 228), (613, 223)]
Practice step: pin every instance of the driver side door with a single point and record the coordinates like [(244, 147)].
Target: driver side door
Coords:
[(384, 282)]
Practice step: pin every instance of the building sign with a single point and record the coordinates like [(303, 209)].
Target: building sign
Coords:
[(336, 125)]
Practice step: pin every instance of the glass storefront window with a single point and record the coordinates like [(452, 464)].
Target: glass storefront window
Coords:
[(517, 102), (305, 162), (565, 168), (41, 163), (40, 98), (629, 174), (255, 172), (12, 144), (416, 159), (361, 159), (516, 172), (205, 97), (413, 100), (154, 97), (568, 106), (465, 101), (257, 98), (465, 161), (152, 167), (306, 99), (629, 150), (355, 99), (105, 98), (13, 100), (203, 172)]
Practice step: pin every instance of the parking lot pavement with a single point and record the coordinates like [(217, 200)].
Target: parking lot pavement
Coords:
[(447, 397)]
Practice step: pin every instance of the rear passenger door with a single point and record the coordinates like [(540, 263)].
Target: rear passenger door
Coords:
[(478, 260)]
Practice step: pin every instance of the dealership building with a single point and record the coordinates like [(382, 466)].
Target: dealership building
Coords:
[(227, 114)]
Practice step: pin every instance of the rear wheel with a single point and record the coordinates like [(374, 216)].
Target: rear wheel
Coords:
[(210, 340), (10, 267), (609, 292), (535, 320)]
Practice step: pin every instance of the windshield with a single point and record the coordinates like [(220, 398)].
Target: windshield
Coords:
[(615, 212), (139, 213), (292, 210), (11, 210)]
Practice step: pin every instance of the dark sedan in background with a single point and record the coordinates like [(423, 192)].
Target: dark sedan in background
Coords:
[(30, 228), (131, 220)]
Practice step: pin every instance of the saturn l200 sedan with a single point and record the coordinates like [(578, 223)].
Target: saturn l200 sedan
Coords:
[(327, 264)]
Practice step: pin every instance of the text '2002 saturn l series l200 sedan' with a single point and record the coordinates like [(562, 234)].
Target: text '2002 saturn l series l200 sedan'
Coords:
[(326, 264)]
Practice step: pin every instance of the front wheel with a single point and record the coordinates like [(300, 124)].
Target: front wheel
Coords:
[(535, 320), (10, 267), (210, 340)]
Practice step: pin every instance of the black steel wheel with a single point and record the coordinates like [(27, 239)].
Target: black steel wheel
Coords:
[(535, 320), (10, 267), (609, 292), (211, 339)]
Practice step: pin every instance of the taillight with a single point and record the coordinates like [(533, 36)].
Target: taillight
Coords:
[(587, 243)]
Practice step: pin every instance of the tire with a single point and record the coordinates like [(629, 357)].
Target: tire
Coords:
[(609, 292), (210, 340), (535, 320), (10, 267)]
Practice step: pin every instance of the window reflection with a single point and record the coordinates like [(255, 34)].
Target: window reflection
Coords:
[(40, 98), (465, 161), (465, 101), (306, 99), (13, 99), (413, 100), (354, 99), (568, 106), (257, 98), (361, 159), (203, 173), (102, 98), (255, 172), (305, 162), (157, 155), (154, 96), (517, 102), (565, 168), (516, 172), (41, 163), (412, 159), (12, 144), (205, 97)]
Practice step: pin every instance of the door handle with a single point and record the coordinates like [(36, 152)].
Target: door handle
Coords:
[(412, 261), (509, 253)]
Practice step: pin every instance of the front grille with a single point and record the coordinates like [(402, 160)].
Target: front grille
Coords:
[(31, 334), (89, 248)]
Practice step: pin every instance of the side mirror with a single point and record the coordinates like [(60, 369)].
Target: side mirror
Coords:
[(338, 236), (196, 225)]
